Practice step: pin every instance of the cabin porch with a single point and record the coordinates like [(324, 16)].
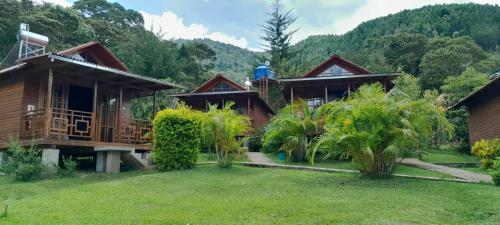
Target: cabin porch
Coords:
[(73, 107)]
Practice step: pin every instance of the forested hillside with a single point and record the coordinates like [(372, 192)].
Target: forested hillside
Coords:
[(370, 43), (232, 61)]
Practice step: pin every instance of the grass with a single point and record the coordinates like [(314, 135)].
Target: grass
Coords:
[(448, 156), (207, 195), (476, 170), (400, 169), (209, 157)]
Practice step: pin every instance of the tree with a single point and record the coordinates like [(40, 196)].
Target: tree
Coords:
[(196, 61), (111, 21), (455, 89), (278, 38), (447, 57), (221, 128), (292, 130), (405, 50), (375, 128)]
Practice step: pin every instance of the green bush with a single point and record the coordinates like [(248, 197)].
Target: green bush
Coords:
[(255, 141), (487, 150), (221, 128), (495, 172), (292, 130), (68, 168), (375, 128), (176, 138), (24, 164)]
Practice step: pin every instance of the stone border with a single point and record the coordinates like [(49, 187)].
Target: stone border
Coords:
[(333, 170)]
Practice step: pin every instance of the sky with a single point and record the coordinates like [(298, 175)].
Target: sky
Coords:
[(238, 22)]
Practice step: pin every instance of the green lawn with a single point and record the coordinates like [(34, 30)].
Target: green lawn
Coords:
[(207, 195), (210, 157), (476, 170), (448, 156), (400, 169)]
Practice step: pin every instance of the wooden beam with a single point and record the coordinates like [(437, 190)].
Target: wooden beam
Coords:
[(119, 114), (248, 107), (326, 94), (94, 131), (348, 89), (154, 104), (48, 104)]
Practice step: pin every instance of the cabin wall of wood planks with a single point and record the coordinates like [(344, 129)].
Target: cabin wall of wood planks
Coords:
[(484, 119), (11, 98)]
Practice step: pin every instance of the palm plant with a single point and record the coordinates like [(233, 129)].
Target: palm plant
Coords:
[(222, 129), (375, 128), (292, 130)]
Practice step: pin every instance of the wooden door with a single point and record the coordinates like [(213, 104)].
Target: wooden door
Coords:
[(107, 116)]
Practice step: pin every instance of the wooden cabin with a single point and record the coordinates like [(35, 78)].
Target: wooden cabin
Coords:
[(333, 79), (76, 102), (220, 89), (483, 108)]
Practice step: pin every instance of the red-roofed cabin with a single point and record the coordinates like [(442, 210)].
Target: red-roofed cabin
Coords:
[(333, 79), (76, 102), (220, 89)]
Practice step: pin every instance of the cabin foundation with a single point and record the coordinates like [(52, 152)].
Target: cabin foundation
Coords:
[(50, 159)]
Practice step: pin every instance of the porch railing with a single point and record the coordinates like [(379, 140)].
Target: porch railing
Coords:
[(67, 124), (32, 124), (70, 124), (136, 132)]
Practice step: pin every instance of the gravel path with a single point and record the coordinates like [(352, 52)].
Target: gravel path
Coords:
[(260, 158), (462, 174)]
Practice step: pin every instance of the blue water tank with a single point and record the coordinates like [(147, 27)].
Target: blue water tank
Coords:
[(262, 71)]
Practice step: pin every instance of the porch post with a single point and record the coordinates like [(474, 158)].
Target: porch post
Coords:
[(348, 89), (326, 94), (248, 106), (154, 104), (48, 103), (119, 114), (291, 95), (94, 129)]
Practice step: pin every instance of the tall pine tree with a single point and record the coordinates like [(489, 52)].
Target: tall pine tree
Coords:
[(278, 36)]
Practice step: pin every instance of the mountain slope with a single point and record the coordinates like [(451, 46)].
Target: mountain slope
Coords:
[(481, 22), (233, 61)]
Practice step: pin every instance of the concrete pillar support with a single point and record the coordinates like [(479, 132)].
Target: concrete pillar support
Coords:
[(113, 161), (50, 159), (100, 162), (109, 158)]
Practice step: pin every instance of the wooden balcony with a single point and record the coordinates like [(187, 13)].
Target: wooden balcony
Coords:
[(73, 125)]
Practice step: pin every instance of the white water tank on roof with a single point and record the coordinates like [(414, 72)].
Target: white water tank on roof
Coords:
[(34, 38)]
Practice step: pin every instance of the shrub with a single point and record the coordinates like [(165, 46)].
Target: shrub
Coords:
[(24, 164), (495, 172), (222, 127), (292, 130), (375, 128), (255, 141), (176, 138), (68, 168), (487, 150)]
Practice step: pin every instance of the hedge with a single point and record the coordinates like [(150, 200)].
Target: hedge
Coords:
[(176, 138)]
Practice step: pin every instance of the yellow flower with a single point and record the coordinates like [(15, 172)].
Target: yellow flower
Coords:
[(347, 122)]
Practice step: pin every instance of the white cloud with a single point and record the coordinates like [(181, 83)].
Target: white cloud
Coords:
[(63, 3), (172, 27)]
